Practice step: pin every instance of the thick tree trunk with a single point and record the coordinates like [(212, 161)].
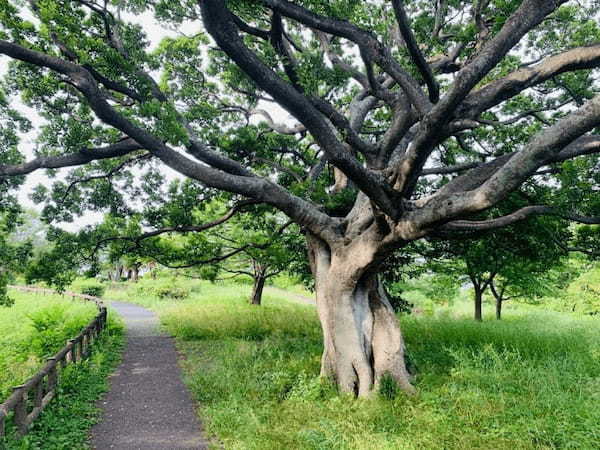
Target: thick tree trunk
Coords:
[(478, 302), (135, 272), (498, 308), (259, 284), (362, 338)]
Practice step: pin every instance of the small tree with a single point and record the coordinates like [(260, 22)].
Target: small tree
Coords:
[(511, 262), (266, 249)]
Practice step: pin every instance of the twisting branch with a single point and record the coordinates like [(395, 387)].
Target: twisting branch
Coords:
[(529, 113), (507, 87), (517, 216), (339, 62), (415, 52), (585, 145), (280, 128), (200, 262), (136, 240), (287, 59)]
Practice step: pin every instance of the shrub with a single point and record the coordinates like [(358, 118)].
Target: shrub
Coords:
[(5, 300), (52, 326), (176, 293), (92, 288)]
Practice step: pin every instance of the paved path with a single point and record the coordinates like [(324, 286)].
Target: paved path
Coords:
[(148, 407)]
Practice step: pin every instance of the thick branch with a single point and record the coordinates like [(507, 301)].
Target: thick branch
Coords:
[(107, 175), (585, 145), (500, 90), (415, 52), (85, 156)]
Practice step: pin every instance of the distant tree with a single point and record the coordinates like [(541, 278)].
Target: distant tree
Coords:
[(58, 263), (516, 261), (13, 255), (33, 229), (266, 245)]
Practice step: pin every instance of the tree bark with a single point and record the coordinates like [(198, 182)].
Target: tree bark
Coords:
[(119, 274), (499, 296), (361, 334), (478, 303), (259, 284), (135, 272)]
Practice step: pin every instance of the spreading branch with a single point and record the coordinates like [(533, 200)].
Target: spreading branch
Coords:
[(415, 52), (517, 216)]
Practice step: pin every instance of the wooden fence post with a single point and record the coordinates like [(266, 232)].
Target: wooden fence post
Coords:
[(52, 376), (39, 394), (21, 411), (2, 420)]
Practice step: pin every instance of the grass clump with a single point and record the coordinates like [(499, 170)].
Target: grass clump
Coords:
[(88, 286), (160, 289)]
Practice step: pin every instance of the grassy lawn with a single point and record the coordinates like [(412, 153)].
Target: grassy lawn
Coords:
[(529, 381), (36, 327)]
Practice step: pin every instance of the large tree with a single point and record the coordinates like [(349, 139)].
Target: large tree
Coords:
[(426, 113)]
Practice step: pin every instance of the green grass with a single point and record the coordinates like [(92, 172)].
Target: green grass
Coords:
[(531, 381), (34, 328), (65, 423)]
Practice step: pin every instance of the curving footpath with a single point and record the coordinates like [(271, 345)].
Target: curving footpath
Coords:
[(148, 407)]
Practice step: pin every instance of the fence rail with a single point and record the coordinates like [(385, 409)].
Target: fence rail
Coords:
[(29, 399)]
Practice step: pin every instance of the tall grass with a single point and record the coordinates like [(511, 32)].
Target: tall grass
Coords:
[(34, 328), (531, 381)]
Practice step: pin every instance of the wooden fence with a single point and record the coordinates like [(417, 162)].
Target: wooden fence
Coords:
[(28, 400)]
